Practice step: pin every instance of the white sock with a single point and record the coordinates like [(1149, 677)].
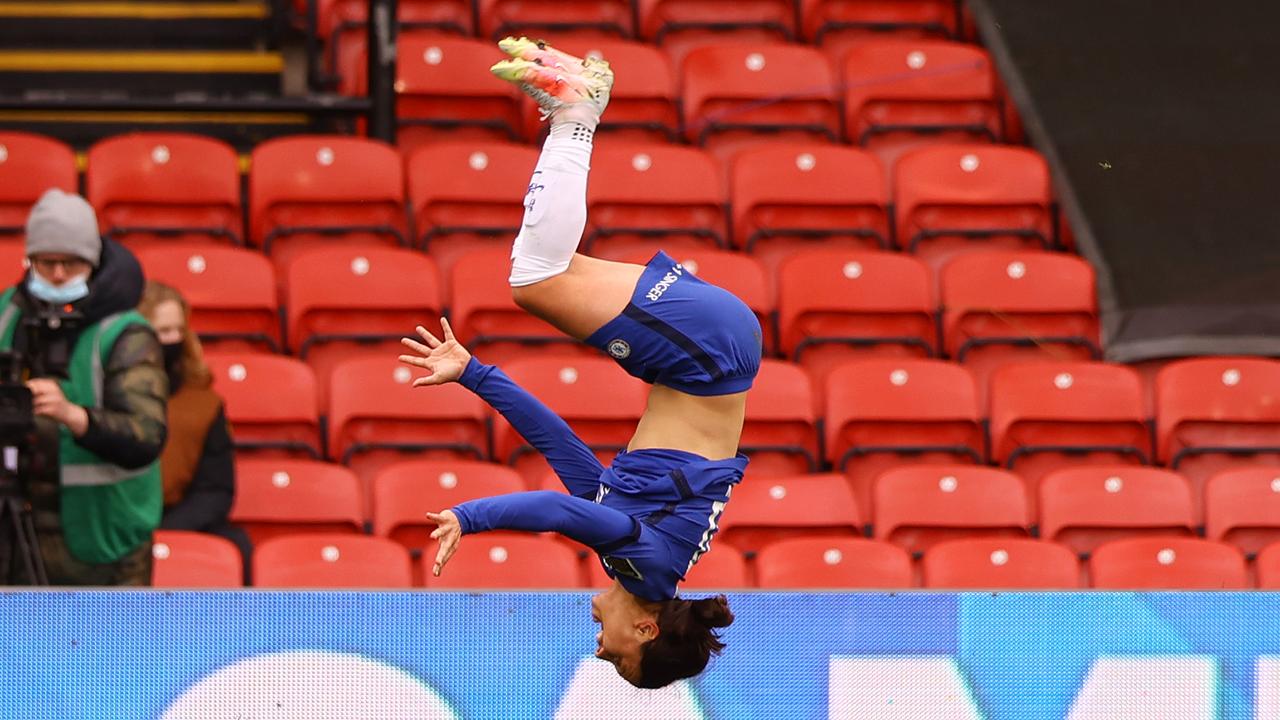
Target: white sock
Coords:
[(555, 207)]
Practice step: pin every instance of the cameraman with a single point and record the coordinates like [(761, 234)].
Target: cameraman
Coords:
[(99, 389)]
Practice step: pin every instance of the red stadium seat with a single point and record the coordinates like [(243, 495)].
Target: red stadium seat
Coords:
[(653, 197), (276, 497), (678, 25), (738, 94), (836, 305), (920, 505), (509, 561), (500, 18), (445, 91), (466, 195), (572, 387), (13, 259), (325, 189), (836, 24), (405, 491), (740, 274), (953, 198), (883, 413), (1086, 506), (30, 164), (1217, 413), (1003, 306), (161, 187), (185, 559), (643, 102), (835, 562), (788, 197), (781, 430), (231, 292), (1242, 507), (271, 403), (325, 560), (377, 418), (348, 302), (723, 568), (1046, 415), (900, 93), (487, 320), (1000, 564), (767, 509), (1267, 567), (342, 25), (1160, 563)]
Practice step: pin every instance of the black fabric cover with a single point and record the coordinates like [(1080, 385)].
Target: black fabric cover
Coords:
[(1161, 122)]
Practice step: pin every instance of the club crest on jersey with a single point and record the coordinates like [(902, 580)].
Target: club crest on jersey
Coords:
[(619, 348), (667, 281)]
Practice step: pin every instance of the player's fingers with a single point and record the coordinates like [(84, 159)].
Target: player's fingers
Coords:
[(436, 518), (448, 331), (415, 346), (448, 547), (415, 361), (426, 335), (426, 381), (441, 559)]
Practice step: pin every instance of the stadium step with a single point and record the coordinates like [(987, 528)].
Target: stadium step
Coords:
[(134, 24), (150, 72), (82, 128)]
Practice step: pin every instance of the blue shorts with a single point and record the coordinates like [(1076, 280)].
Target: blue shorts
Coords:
[(684, 333)]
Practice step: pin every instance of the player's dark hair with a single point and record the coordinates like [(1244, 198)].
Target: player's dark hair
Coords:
[(686, 640)]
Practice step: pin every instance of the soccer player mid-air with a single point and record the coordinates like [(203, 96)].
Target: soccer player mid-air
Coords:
[(650, 515)]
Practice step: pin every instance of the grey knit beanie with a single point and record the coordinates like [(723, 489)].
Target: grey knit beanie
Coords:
[(61, 222)]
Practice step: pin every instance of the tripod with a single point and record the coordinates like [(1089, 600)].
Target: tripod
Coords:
[(18, 529)]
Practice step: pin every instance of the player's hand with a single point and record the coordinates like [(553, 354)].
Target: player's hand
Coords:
[(449, 533), (443, 361)]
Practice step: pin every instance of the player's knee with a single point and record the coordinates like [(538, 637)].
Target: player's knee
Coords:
[(528, 297)]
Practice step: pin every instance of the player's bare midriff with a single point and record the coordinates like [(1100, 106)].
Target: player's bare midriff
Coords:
[(706, 426)]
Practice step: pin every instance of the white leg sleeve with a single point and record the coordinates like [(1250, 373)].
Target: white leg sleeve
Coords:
[(555, 207)]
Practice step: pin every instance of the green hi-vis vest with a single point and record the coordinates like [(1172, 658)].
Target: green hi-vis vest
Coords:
[(107, 510)]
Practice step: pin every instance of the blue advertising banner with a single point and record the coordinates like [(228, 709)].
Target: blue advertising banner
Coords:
[(1015, 656)]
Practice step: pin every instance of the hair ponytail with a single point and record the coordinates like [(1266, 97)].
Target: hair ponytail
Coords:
[(713, 612), (687, 639)]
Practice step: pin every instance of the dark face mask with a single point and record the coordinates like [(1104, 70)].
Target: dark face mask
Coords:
[(173, 363)]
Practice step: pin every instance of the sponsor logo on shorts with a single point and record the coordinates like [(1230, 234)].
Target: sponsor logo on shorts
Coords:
[(667, 281), (619, 348)]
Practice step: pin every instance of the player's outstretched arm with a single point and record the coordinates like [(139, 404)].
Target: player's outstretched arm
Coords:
[(596, 526), (448, 361)]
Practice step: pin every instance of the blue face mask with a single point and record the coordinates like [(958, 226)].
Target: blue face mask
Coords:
[(68, 292)]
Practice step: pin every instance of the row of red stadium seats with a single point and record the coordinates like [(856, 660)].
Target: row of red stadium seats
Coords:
[(823, 306), (655, 20), (884, 95), (517, 561), (162, 187), (914, 506), (873, 414)]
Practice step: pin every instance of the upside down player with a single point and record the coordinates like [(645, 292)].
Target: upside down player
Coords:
[(652, 513)]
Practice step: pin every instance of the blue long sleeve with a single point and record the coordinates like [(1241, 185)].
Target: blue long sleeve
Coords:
[(550, 435), (595, 526)]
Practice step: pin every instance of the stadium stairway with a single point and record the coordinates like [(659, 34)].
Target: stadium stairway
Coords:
[(131, 54)]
